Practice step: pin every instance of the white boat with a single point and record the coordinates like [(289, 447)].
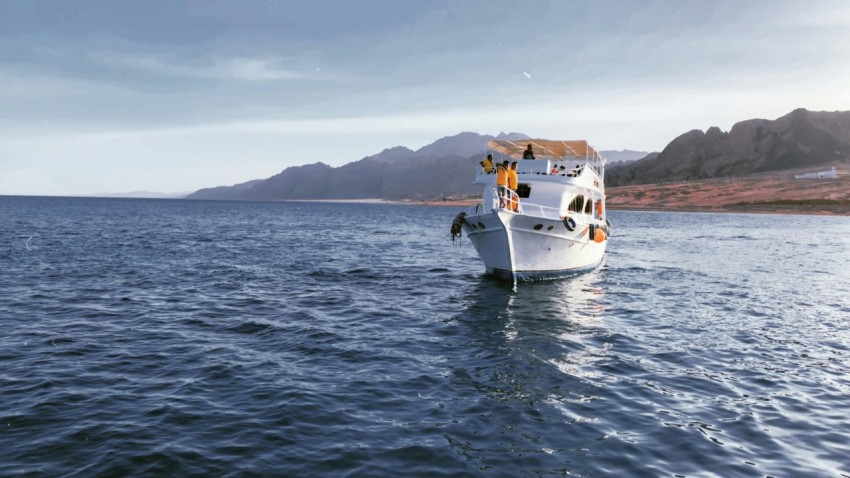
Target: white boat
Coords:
[(553, 225)]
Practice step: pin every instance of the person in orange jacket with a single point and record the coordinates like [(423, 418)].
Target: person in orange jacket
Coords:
[(513, 182), (502, 182), (487, 164)]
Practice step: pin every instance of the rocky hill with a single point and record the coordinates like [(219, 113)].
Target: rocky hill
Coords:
[(443, 168), (799, 139)]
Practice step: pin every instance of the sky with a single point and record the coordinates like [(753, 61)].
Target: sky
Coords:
[(104, 96)]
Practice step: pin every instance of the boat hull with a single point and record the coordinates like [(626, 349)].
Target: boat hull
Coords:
[(519, 247)]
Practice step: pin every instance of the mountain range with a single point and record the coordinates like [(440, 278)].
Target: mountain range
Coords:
[(443, 168), (446, 167), (800, 139)]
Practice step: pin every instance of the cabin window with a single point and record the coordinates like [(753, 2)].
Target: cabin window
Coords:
[(588, 207), (577, 204), (523, 190)]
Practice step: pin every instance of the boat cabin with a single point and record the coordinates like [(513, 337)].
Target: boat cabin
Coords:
[(563, 178)]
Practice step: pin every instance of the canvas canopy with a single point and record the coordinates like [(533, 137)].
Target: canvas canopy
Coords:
[(545, 149)]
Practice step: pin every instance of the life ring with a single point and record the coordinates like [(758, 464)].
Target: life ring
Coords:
[(569, 223)]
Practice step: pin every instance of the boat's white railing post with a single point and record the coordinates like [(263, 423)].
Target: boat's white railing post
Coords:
[(501, 202), (512, 201), (510, 198), (494, 198)]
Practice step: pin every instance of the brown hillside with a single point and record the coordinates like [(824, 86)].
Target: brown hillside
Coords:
[(800, 139), (775, 193)]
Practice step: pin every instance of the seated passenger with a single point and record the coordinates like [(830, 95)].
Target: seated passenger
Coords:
[(554, 169), (563, 171)]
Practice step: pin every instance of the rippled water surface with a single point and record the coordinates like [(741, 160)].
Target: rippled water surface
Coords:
[(154, 337)]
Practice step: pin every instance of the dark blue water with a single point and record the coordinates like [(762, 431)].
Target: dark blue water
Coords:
[(150, 337)]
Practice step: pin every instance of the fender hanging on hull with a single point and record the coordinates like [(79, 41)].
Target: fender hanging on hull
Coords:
[(457, 225)]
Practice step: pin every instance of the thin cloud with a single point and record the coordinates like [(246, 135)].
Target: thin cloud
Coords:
[(230, 69)]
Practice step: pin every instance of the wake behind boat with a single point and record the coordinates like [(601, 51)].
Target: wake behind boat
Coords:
[(551, 223)]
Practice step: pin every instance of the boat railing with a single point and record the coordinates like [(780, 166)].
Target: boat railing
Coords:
[(568, 173), (539, 210), (510, 201), (543, 170), (597, 169), (541, 167)]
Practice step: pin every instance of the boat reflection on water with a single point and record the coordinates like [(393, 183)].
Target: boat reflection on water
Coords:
[(540, 348), (558, 324), (552, 308)]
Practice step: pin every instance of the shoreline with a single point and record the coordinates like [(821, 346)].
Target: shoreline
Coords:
[(804, 207), (768, 193), (693, 209), (737, 210)]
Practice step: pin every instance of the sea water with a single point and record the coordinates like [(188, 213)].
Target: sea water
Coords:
[(176, 337)]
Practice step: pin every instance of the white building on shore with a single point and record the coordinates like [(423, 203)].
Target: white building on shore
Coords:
[(820, 174)]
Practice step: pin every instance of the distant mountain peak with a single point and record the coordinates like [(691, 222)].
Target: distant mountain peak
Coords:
[(396, 149), (463, 144), (512, 136), (798, 139)]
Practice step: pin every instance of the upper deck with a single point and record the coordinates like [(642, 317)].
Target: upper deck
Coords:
[(574, 162), (567, 159), (546, 149)]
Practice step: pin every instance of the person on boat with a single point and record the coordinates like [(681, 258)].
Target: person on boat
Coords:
[(487, 164), (563, 171), (513, 182), (528, 153), (501, 182), (554, 169)]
